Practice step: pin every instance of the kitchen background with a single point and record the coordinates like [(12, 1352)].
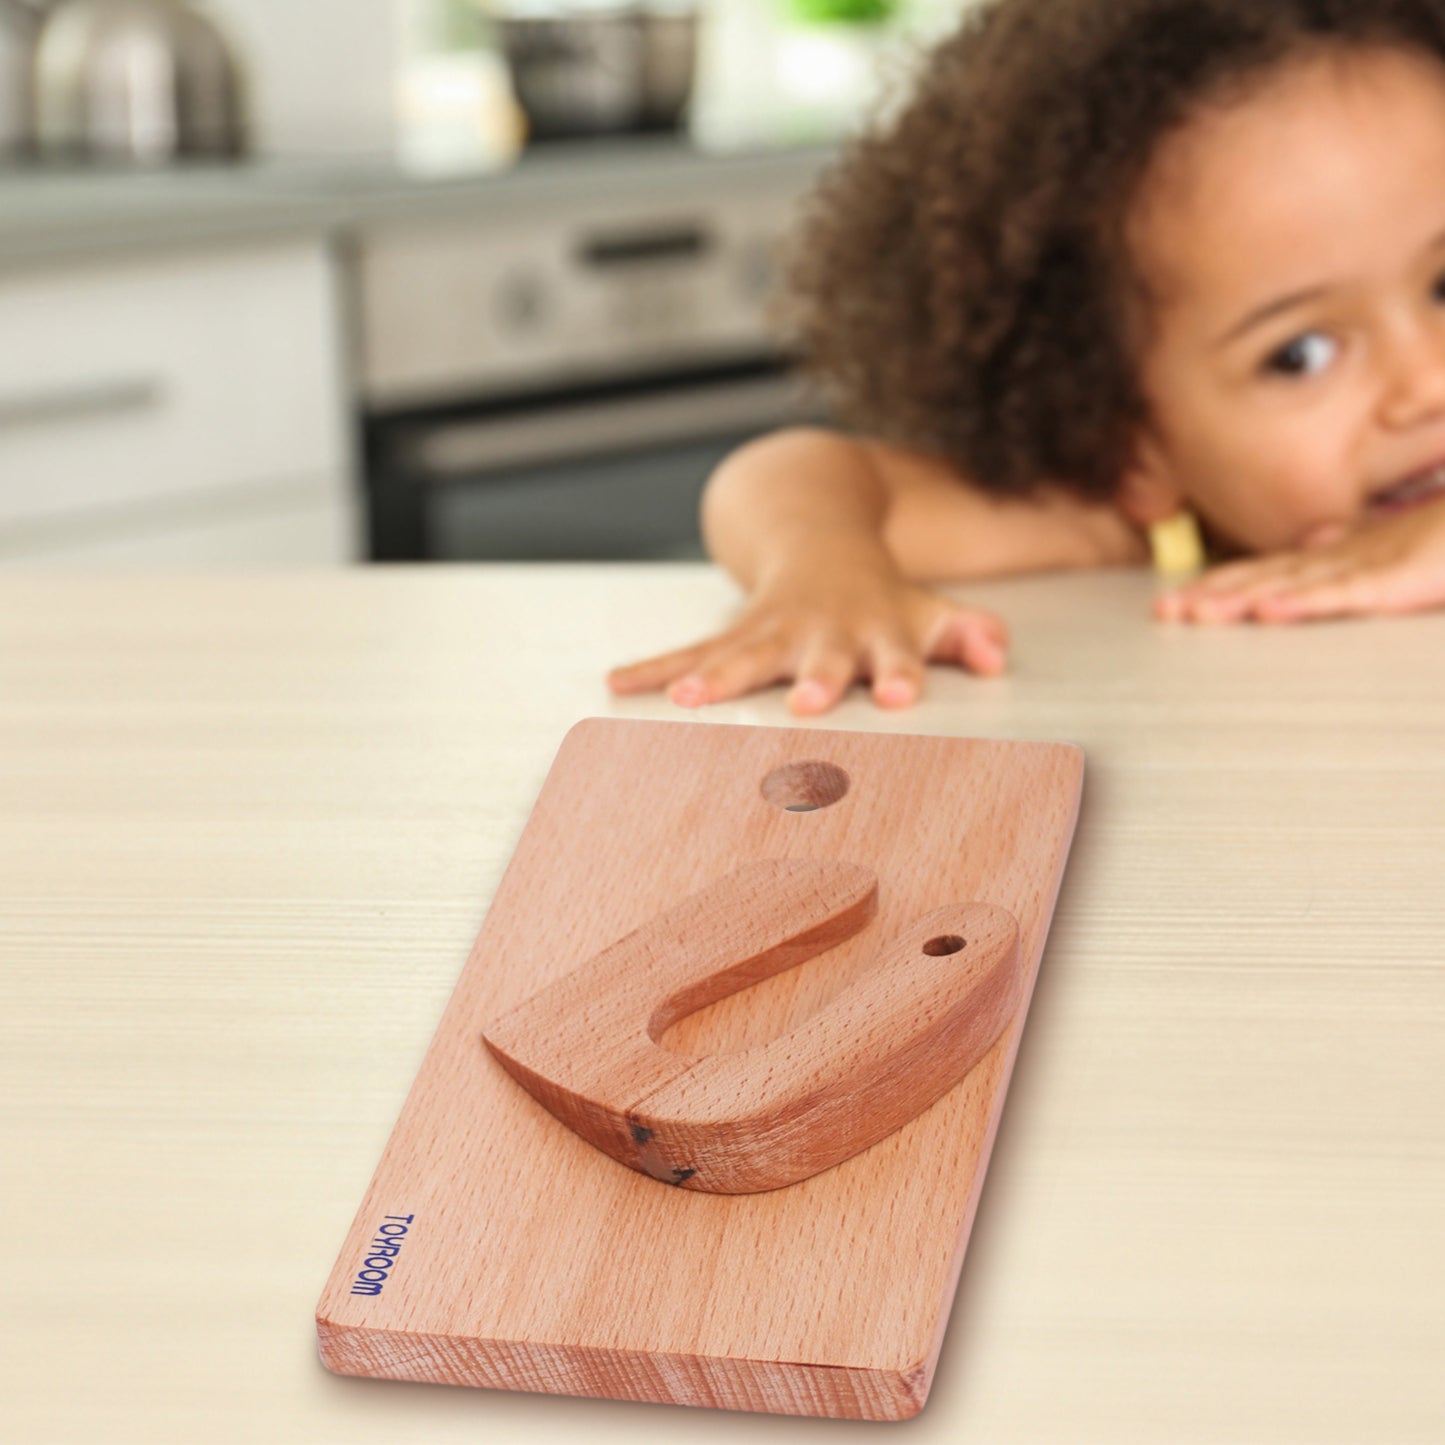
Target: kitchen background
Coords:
[(313, 281)]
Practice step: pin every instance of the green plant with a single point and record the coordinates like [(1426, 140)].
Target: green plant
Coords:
[(815, 12)]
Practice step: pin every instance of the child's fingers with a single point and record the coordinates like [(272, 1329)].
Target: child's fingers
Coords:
[(985, 651), (730, 671), (1225, 580), (975, 640), (653, 673), (1228, 593), (825, 672), (1336, 597), (1346, 592), (1251, 590), (896, 670), (824, 656)]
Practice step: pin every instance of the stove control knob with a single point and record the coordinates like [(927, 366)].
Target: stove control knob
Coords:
[(521, 302), (757, 270)]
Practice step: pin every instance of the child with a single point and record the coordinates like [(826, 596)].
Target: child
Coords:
[(1116, 262)]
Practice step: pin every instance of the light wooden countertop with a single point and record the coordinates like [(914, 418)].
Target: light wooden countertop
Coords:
[(249, 828)]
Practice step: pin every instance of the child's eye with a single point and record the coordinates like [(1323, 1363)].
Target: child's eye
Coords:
[(1439, 287), (1304, 356)]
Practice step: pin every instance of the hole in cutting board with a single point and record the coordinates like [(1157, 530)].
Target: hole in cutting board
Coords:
[(804, 787)]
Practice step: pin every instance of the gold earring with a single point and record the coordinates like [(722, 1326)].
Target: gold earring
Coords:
[(1176, 545)]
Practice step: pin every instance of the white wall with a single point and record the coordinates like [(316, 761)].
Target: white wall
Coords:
[(321, 73)]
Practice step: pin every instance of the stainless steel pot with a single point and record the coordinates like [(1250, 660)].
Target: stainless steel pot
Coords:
[(669, 66), (18, 26), (136, 80), (600, 71)]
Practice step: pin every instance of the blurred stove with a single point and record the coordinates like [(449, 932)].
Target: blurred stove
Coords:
[(555, 376)]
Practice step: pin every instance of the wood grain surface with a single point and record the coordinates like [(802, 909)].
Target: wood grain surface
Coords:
[(250, 827), (496, 1247)]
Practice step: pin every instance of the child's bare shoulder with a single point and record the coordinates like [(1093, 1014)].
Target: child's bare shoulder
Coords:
[(941, 527)]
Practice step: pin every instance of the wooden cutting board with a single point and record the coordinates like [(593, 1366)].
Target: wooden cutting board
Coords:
[(496, 1246)]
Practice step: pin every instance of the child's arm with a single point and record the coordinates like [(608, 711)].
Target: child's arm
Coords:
[(1384, 564), (833, 536)]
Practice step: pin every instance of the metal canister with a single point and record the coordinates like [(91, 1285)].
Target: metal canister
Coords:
[(141, 81)]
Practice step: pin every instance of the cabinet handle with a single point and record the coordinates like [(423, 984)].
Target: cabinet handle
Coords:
[(100, 398), (571, 431)]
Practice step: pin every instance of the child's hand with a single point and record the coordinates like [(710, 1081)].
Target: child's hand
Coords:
[(1383, 565), (823, 636)]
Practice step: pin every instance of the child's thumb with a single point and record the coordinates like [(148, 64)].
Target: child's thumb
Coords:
[(974, 639)]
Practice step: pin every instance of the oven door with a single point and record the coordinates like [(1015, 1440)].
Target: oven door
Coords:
[(606, 472)]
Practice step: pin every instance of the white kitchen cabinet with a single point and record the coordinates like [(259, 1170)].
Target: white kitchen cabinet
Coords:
[(183, 407)]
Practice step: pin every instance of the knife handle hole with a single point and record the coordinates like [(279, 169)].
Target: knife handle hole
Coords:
[(944, 944), (805, 787)]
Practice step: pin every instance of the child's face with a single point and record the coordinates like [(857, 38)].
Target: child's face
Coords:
[(1293, 244)]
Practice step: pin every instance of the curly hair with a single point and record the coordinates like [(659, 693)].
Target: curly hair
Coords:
[(960, 281)]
